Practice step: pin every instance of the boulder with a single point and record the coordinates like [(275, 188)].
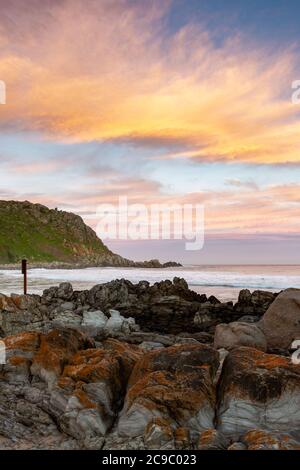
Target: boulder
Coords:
[(93, 322), (255, 303), (174, 384), (239, 334), (58, 391), (91, 388), (281, 322), (158, 434), (256, 388)]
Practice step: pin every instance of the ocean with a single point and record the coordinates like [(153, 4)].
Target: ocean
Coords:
[(224, 282)]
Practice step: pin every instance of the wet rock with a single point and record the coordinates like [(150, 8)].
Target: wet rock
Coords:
[(239, 334), (256, 387), (281, 322), (174, 384)]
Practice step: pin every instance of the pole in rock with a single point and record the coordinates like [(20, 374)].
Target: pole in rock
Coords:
[(24, 272)]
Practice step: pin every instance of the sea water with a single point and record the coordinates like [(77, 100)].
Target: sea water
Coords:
[(224, 282)]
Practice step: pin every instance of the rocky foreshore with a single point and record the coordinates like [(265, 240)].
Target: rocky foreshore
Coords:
[(106, 261), (139, 366)]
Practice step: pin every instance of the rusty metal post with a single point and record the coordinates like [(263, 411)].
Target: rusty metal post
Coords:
[(24, 272)]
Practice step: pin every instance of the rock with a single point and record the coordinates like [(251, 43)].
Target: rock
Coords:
[(174, 384), (67, 306), (66, 319), (56, 348), (249, 319), (150, 345), (65, 291), (211, 314), (255, 304), (15, 320), (263, 440), (158, 434), (239, 334), (201, 337), (258, 388), (211, 439), (58, 391), (213, 300), (90, 390), (237, 446), (244, 297), (7, 304), (166, 307), (118, 323), (281, 322), (182, 438), (94, 323)]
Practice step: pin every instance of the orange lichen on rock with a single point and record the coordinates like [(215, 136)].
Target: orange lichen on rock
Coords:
[(174, 383), (91, 365), (57, 348), (248, 372), (85, 401), (19, 361), (262, 440), (28, 341), (182, 438)]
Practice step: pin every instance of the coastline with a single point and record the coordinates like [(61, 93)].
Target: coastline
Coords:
[(152, 264)]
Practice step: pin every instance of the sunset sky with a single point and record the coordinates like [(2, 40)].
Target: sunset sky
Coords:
[(183, 101)]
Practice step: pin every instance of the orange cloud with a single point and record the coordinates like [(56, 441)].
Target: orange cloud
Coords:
[(109, 72)]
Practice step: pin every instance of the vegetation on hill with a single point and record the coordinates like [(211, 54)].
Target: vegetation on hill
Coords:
[(45, 236)]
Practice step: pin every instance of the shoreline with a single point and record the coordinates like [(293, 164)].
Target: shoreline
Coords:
[(154, 264)]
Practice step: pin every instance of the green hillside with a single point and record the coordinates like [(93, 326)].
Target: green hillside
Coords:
[(40, 234)]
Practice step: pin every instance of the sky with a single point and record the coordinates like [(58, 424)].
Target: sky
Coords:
[(165, 102)]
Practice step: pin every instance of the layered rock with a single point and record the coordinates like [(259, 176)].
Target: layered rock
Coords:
[(263, 440), (258, 389), (281, 322), (64, 390), (58, 390), (175, 385)]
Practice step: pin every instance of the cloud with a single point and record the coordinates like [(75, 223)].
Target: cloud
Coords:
[(112, 72), (241, 184)]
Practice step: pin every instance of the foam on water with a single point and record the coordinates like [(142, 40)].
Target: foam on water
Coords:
[(206, 278)]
